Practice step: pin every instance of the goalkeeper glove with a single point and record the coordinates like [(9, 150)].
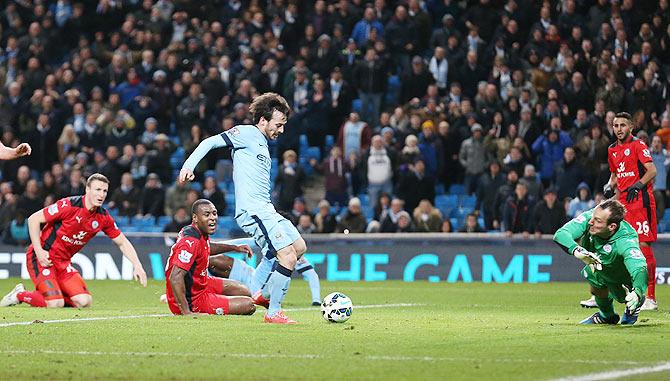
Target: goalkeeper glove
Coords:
[(608, 191), (591, 259), (633, 192), (633, 300)]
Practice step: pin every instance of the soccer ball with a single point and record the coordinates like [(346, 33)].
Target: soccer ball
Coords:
[(336, 308)]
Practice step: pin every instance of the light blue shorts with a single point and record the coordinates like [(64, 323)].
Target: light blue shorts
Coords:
[(269, 229)]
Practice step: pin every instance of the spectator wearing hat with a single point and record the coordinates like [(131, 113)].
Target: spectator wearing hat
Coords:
[(324, 57), (150, 131), (348, 58), (431, 148), (548, 215), (341, 95), (289, 181), (297, 90), (353, 220), (473, 157), (152, 197), (415, 81), (440, 36), (324, 220), (582, 202), (549, 148)]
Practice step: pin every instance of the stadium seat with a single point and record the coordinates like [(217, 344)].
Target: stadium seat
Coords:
[(467, 201), (457, 189), (439, 189), (196, 186), (312, 153), (303, 142), (224, 170), (446, 200), (330, 142), (356, 105)]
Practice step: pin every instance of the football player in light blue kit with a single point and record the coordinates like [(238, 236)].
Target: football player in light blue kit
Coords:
[(254, 212)]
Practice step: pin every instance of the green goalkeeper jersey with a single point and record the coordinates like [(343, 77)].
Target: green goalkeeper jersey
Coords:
[(620, 254)]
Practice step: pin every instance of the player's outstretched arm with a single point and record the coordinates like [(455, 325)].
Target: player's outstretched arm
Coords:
[(34, 222), (566, 237), (212, 142), (220, 247), (129, 252), (7, 153), (178, 285)]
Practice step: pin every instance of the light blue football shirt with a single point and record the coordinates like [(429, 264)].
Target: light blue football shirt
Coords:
[(251, 164)]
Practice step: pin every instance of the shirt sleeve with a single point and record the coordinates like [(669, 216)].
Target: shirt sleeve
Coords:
[(58, 211), (185, 252), (203, 148), (636, 265), (642, 152), (110, 229), (566, 237)]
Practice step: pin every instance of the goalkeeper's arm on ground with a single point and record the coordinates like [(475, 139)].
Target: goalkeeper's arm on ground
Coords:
[(637, 268)]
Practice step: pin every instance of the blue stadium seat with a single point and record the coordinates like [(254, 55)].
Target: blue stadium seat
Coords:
[(457, 189), (211, 173), (176, 162), (312, 153), (330, 142), (666, 215), (303, 141), (196, 186), (356, 105), (468, 201), (439, 189), (446, 200), (164, 220)]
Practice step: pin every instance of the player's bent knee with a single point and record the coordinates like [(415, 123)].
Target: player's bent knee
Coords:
[(287, 256), (82, 300), (56, 303), (599, 292)]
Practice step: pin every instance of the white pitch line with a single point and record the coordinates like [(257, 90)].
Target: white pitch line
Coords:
[(614, 374), (298, 356), (104, 318)]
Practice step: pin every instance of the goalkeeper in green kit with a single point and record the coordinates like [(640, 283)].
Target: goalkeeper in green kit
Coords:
[(615, 267)]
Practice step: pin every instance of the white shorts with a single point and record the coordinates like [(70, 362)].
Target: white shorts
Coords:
[(269, 229)]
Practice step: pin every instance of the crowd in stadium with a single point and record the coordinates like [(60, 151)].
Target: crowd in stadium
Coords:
[(430, 116)]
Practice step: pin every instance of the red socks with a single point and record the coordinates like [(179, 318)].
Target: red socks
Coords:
[(34, 298), (648, 253)]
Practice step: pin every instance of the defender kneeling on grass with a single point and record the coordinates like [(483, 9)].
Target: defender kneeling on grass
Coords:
[(615, 267), (189, 288)]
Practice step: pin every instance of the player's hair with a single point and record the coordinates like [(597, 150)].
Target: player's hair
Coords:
[(96, 177), (197, 203), (266, 104), (624, 115), (617, 211)]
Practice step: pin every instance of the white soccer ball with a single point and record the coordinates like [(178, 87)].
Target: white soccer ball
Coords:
[(336, 307)]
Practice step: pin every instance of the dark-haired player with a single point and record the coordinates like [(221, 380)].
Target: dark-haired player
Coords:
[(254, 212), (70, 224), (189, 287), (633, 172)]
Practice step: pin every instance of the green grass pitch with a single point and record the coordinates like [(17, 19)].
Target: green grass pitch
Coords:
[(452, 331)]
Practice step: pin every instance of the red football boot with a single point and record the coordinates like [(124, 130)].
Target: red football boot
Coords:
[(279, 318), (260, 300)]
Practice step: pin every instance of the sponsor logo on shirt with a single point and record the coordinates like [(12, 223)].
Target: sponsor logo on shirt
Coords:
[(185, 256), (53, 209)]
